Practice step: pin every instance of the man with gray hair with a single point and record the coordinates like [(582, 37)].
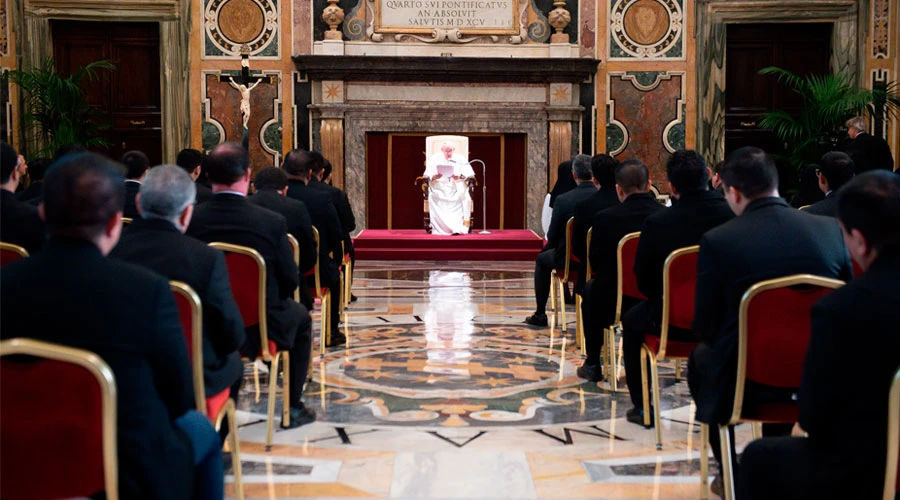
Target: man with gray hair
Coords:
[(554, 253), (156, 241), (869, 152)]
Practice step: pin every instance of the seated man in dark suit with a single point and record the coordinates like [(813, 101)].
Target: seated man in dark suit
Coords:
[(126, 315), (608, 227), (298, 165), (868, 151), (554, 253), (231, 218), (155, 241), (603, 173), (32, 195), (830, 463), (270, 186), (768, 239), (136, 166), (834, 171), (19, 221), (697, 210), (191, 160), (338, 199)]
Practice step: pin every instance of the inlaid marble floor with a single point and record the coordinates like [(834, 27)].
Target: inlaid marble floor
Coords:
[(443, 392)]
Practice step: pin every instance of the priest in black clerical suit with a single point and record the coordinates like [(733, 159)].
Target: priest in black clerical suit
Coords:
[(19, 221), (603, 171)]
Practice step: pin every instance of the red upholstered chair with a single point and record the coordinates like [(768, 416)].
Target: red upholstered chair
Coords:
[(626, 287), (558, 281), (892, 475), (773, 336), (190, 315), (57, 422), (324, 295), (247, 275), (679, 283), (11, 253)]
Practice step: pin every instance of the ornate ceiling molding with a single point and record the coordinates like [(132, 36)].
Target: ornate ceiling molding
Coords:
[(153, 9)]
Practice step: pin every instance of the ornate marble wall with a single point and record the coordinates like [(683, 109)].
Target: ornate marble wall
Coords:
[(7, 61)]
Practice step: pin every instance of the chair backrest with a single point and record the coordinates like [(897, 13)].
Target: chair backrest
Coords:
[(127, 220), (58, 415), (316, 273), (679, 288), (627, 281), (295, 250), (190, 315), (247, 275), (774, 330), (570, 225), (892, 475), (587, 254), (11, 253)]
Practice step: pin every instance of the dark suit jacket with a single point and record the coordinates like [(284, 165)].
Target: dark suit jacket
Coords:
[(35, 190), (204, 193), (20, 223), (826, 207), (340, 201), (769, 240), (604, 198), (869, 152), (232, 218), (325, 218), (157, 245), (668, 230), (69, 294), (132, 188), (829, 398), (563, 210)]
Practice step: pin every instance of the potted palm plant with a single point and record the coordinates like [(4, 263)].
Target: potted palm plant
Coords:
[(56, 108)]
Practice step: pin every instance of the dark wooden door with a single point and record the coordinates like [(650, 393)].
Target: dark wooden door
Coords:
[(130, 95), (802, 48)]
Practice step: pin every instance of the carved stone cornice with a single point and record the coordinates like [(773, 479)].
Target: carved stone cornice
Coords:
[(446, 69), (779, 10), (155, 9)]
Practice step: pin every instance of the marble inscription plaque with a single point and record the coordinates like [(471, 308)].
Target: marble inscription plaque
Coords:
[(467, 16)]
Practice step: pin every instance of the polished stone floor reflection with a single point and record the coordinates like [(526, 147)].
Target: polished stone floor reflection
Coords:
[(443, 392)]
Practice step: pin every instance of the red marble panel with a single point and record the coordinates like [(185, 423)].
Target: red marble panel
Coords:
[(645, 114), (225, 108), (588, 19), (301, 34)]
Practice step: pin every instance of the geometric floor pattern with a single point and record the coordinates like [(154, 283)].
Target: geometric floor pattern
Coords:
[(442, 392)]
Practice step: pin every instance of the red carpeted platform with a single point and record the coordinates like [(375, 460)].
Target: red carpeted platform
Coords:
[(412, 244)]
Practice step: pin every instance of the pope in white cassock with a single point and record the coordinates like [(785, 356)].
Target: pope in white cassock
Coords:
[(449, 202)]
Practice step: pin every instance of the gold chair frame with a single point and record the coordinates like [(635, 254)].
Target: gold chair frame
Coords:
[(325, 320), (746, 300), (346, 276), (280, 356), (647, 354), (609, 345), (893, 439), (557, 293), (127, 220), (14, 248), (107, 382), (295, 251), (184, 290)]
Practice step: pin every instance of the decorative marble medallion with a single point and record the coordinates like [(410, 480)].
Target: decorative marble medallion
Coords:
[(646, 29), (229, 24)]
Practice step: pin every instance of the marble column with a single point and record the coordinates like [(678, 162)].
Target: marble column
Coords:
[(332, 133)]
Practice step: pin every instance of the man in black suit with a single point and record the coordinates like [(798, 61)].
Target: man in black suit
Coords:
[(126, 315), (298, 165), (830, 463), (603, 173), (869, 152), (338, 199), (270, 185), (768, 239), (834, 171), (191, 160), (229, 217), (608, 227), (19, 221), (554, 253), (697, 209), (33, 193), (155, 241), (136, 166)]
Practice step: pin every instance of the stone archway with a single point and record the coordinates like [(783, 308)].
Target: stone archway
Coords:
[(32, 21)]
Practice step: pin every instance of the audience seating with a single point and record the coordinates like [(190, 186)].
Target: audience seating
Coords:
[(679, 284), (190, 314), (773, 336), (588, 274), (626, 287), (126, 220), (295, 250), (58, 415), (559, 279), (346, 275), (11, 253), (324, 295), (247, 275), (892, 475)]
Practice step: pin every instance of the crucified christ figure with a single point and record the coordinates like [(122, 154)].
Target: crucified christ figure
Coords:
[(245, 98)]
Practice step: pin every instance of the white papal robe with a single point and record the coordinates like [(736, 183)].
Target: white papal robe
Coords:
[(449, 202)]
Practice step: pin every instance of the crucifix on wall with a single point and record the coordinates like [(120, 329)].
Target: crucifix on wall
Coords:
[(245, 84)]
